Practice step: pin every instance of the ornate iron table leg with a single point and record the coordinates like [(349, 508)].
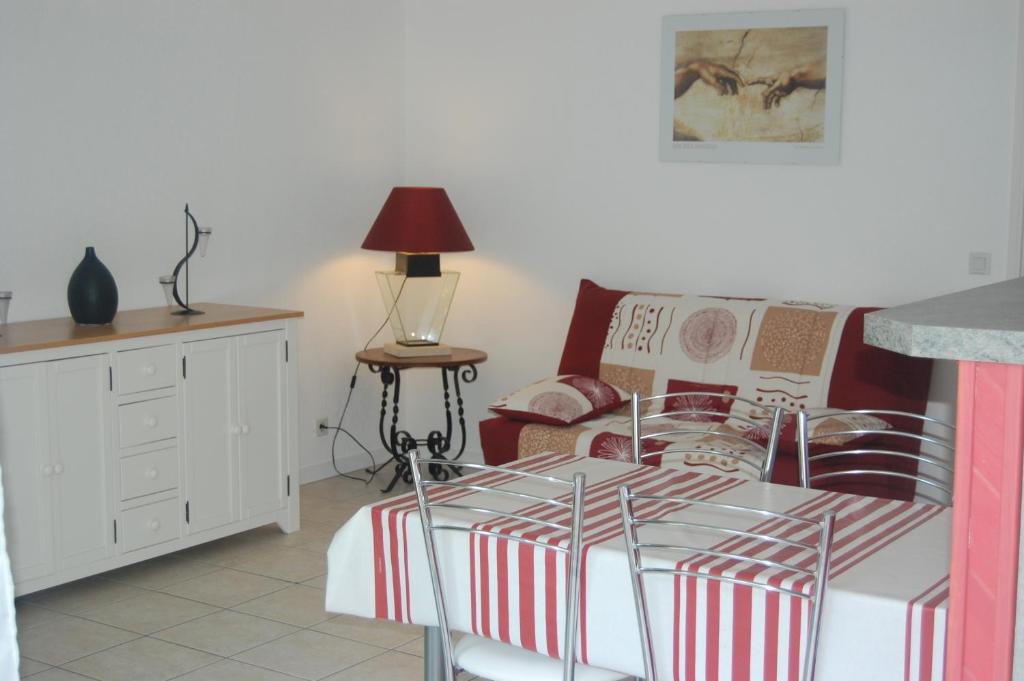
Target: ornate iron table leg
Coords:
[(399, 443)]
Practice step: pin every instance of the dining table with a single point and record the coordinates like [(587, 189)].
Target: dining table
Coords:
[(884, 608)]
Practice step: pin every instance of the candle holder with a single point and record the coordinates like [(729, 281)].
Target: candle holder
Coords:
[(167, 284), (200, 241)]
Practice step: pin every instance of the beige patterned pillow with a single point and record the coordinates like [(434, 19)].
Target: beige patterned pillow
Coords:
[(561, 401)]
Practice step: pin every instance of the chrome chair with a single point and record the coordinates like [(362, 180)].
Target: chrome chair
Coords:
[(482, 656), (688, 407), (884, 455), (668, 553)]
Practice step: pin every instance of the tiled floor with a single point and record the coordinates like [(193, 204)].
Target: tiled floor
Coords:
[(245, 608)]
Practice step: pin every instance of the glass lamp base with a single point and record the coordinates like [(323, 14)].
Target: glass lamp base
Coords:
[(418, 305)]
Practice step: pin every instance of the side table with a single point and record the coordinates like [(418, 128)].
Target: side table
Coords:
[(461, 366)]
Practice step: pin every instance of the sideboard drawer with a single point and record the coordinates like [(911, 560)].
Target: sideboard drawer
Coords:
[(151, 524), (148, 421), (148, 473), (146, 369)]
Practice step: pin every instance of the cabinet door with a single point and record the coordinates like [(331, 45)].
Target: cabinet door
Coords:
[(80, 428), (26, 469), (210, 410), (261, 390)]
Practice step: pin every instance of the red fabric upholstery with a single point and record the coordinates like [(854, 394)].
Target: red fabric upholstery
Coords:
[(862, 377), (499, 438), (585, 339)]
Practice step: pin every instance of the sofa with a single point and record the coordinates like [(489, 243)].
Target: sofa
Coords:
[(789, 353)]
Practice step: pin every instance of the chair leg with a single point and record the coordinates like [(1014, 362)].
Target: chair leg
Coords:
[(433, 655)]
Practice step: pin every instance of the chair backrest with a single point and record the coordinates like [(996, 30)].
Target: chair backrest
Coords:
[(686, 410), (896, 453), (676, 522), (562, 515)]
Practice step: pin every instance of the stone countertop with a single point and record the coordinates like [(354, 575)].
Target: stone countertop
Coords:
[(984, 324)]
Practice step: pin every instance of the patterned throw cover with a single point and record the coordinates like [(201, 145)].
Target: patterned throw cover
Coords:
[(779, 353)]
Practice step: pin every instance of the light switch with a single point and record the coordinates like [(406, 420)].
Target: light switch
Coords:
[(979, 263)]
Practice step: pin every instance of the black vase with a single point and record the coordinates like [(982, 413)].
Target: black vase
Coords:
[(92, 292)]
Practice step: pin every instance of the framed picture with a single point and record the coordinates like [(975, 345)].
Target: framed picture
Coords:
[(755, 87)]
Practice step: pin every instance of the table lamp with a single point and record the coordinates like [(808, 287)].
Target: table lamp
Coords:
[(418, 224)]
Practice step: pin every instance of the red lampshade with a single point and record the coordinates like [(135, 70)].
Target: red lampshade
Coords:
[(418, 220)]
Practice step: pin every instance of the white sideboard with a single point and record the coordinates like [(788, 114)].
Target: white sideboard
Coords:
[(158, 432)]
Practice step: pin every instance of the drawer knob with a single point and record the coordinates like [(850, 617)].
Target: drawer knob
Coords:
[(58, 468), (47, 470), (153, 473), (151, 421), (149, 370), (154, 524), (245, 430), (235, 430)]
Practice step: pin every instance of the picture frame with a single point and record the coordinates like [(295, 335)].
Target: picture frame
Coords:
[(752, 87)]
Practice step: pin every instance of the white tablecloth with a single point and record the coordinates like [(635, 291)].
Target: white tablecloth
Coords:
[(885, 607)]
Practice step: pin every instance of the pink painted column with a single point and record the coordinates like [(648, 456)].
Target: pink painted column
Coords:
[(986, 522)]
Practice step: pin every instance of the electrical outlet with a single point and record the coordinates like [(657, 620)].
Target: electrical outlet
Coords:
[(321, 427), (979, 263)]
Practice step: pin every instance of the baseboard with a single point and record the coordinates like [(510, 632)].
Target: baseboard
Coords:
[(357, 462), (346, 464)]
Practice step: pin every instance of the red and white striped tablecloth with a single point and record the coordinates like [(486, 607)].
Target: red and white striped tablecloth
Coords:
[(885, 607)]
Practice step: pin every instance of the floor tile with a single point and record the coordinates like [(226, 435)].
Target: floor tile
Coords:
[(381, 633), (414, 647), (309, 654), (57, 674), (312, 537), (309, 533), (144, 659), (317, 582), (319, 545), (225, 587), (29, 615), (288, 564), (66, 638), (391, 666), (27, 667), (160, 572), (227, 551), (334, 489), (149, 612), (225, 633), (300, 605), (332, 516), (233, 670), (85, 594)]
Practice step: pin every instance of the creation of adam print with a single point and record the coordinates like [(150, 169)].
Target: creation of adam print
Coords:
[(751, 85)]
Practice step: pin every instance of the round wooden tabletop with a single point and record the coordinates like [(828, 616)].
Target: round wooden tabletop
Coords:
[(459, 357)]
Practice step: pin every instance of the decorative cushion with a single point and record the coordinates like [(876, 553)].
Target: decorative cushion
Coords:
[(699, 402), (833, 424), (561, 401)]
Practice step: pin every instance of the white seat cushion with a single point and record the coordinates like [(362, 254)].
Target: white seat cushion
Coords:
[(503, 662)]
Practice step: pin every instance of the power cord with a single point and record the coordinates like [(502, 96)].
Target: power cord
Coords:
[(338, 429)]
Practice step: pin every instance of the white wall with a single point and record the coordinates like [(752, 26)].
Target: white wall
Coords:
[(285, 124), (540, 118), (280, 122)]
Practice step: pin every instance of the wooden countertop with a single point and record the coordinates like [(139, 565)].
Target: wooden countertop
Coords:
[(459, 357), (150, 321)]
